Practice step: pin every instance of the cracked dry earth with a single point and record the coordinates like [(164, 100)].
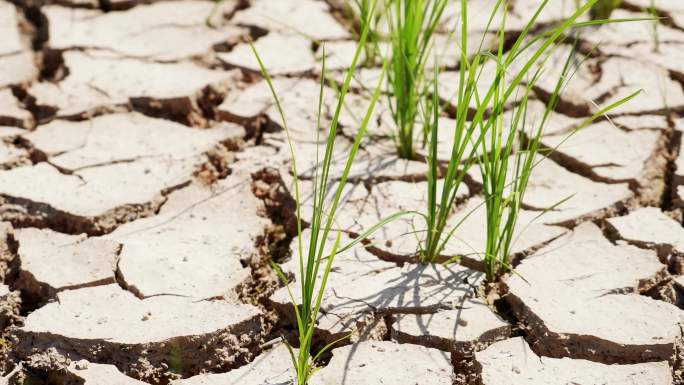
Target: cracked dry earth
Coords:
[(145, 185)]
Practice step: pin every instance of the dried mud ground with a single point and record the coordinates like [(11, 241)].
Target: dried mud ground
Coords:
[(145, 185)]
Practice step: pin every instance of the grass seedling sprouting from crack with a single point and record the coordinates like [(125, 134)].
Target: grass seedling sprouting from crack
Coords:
[(509, 156), (412, 24), (314, 262), (486, 132)]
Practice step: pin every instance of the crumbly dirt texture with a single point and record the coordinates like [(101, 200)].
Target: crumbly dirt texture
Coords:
[(146, 185)]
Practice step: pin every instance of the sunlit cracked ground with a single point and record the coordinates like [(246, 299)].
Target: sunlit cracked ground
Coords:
[(145, 184)]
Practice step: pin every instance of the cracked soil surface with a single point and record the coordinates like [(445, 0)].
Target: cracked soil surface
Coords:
[(146, 185)]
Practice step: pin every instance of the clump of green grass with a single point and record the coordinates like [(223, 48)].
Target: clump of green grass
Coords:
[(412, 24), (488, 132), (314, 262), (510, 155)]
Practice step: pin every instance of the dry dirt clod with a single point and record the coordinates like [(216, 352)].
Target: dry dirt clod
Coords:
[(194, 246), (305, 17), (104, 325), (88, 373), (513, 362), (50, 262), (579, 297), (270, 367), (101, 81), (17, 64), (650, 227), (281, 55), (471, 326), (163, 31), (385, 362), (598, 151)]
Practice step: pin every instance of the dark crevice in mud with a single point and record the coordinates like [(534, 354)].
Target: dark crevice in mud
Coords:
[(38, 28), (218, 161), (41, 113), (670, 199), (197, 110), (273, 246), (564, 106)]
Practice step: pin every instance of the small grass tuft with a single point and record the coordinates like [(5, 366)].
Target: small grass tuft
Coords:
[(314, 262), (412, 24)]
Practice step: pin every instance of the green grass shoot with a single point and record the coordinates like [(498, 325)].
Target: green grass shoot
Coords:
[(412, 24), (314, 262), (487, 133)]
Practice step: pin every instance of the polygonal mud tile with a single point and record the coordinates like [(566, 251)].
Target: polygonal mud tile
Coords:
[(618, 38), (513, 362), (523, 11), (469, 327), (385, 362), (98, 80), (17, 69), (9, 29), (88, 373), (270, 367), (600, 83), (143, 338), (650, 227), (280, 54), (299, 99), (479, 13), (50, 262), (11, 113), (550, 184), (304, 17), (622, 77), (195, 245), (360, 286), (579, 297), (125, 137), (598, 152), (671, 9), (160, 31), (10, 305), (118, 168)]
